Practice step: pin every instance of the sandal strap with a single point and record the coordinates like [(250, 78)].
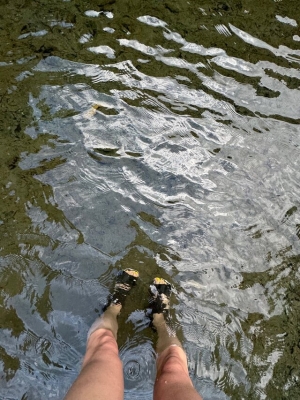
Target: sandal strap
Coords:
[(125, 281), (160, 292)]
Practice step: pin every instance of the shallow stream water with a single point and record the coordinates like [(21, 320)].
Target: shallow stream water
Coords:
[(162, 136)]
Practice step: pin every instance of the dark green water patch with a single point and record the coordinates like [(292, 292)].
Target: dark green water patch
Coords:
[(279, 333)]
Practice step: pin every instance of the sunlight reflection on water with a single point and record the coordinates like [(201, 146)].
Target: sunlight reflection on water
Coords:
[(167, 143)]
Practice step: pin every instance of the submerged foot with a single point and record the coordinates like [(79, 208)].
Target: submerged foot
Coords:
[(160, 292), (125, 281)]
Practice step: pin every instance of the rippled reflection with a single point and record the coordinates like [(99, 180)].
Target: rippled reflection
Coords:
[(162, 137)]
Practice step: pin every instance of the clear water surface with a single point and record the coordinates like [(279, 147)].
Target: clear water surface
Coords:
[(162, 136)]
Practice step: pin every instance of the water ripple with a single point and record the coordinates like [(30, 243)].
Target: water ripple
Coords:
[(163, 138)]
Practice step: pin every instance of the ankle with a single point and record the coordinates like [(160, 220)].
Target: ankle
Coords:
[(113, 309), (158, 320), (108, 320)]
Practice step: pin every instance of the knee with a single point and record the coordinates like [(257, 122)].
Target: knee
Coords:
[(101, 345), (172, 361), (104, 339)]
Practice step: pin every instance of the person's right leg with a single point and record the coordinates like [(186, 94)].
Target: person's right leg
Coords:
[(172, 378)]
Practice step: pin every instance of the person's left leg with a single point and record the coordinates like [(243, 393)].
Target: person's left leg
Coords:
[(101, 376)]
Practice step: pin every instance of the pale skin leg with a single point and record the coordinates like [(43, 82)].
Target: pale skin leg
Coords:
[(101, 375), (172, 379)]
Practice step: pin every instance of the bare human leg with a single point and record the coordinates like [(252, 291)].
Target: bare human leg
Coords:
[(101, 375), (172, 377)]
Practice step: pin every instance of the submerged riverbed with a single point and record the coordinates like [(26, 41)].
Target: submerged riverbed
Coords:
[(161, 136)]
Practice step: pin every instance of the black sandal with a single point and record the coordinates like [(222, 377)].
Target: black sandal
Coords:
[(125, 281), (160, 292)]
